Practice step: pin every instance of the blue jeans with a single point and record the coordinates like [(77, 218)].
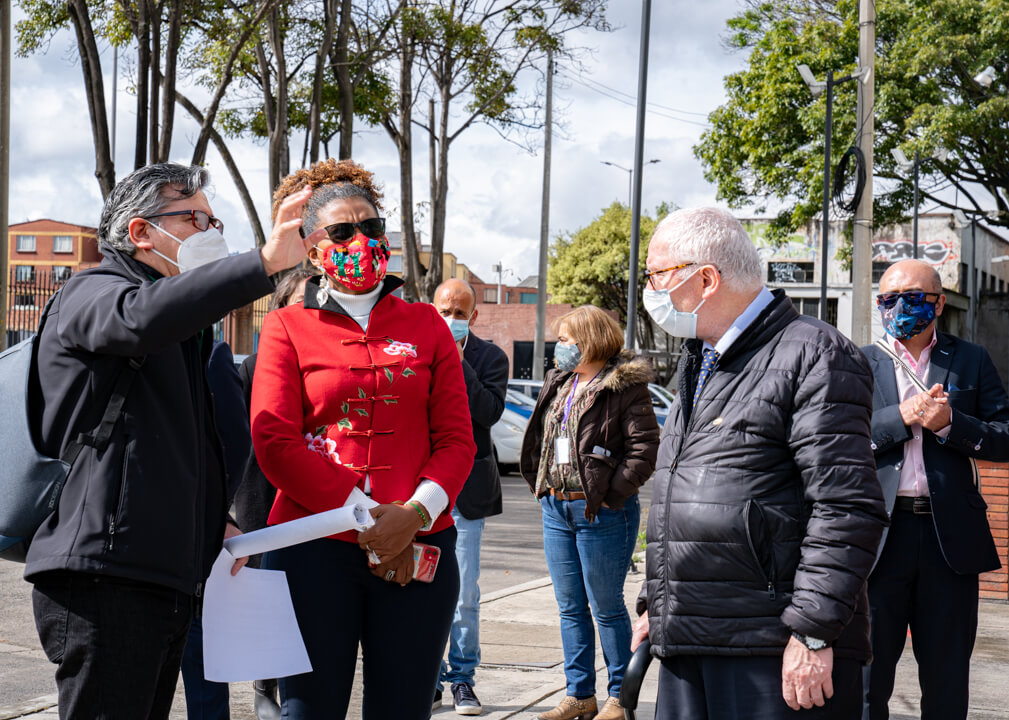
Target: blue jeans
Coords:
[(588, 563), (205, 699), (464, 639)]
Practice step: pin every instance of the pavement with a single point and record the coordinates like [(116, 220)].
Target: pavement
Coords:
[(522, 670)]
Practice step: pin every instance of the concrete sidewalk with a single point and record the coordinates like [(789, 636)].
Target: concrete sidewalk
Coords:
[(522, 672)]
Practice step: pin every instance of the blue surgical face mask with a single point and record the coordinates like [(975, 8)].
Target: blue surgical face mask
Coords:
[(458, 326), (675, 322), (567, 356)]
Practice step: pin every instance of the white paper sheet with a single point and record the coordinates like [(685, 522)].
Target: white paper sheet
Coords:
[(250, 631)]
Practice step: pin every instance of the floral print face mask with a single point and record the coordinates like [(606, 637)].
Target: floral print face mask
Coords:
[(358, 264)]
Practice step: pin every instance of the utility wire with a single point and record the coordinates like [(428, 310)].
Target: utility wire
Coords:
[(632, 103)]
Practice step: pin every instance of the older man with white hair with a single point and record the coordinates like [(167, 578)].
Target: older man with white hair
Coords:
[(766, 511)]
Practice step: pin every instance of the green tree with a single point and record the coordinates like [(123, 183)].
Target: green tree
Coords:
[(766, 142), (589, 266)]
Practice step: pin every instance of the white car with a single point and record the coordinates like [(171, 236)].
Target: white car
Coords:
[(507, 435)]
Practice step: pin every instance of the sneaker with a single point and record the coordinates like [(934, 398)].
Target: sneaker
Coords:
[(466, 701), (437, 700)]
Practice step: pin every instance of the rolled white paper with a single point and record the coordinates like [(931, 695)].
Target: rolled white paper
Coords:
[(313, 527)]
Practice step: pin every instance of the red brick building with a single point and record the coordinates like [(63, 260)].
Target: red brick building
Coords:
[(41, 255), (995, 488)]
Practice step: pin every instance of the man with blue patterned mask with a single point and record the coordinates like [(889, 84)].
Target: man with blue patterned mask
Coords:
[(938, 407)]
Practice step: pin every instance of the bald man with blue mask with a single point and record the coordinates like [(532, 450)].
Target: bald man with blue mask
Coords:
[(485, 370), (938, 407)]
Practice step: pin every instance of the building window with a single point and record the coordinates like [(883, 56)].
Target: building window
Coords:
[(24, 273), (24, 300), (63, 244), (811, 307), (26, 243), (395, 263), (790, 272), (61, 273), (878, 268), (527, 298), (490, 295)]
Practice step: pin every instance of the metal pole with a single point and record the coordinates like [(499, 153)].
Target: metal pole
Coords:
[(499, 273), (914, 226), (825, 232), (115, 83), (5, 130), (639, 149), (630, 187), (971, 283), (539, 344), (861, 250)]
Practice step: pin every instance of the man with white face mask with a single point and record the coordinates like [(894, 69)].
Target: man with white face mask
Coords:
[(485, 369), (766, 513), (119, 567)]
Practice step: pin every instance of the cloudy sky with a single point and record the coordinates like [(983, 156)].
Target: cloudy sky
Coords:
[(494, 187)]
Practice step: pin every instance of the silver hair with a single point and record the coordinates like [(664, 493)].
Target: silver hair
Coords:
[(140, 194), (323, 195), (710, 236)]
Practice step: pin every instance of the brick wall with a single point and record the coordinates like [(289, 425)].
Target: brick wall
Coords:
[(995, 487), (504, 324)]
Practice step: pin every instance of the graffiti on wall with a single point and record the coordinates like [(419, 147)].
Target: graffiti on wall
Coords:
[(934, 252)]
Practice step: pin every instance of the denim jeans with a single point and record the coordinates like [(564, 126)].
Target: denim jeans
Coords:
[(205, 699), (464, 639), (588, 563), (117, 644)]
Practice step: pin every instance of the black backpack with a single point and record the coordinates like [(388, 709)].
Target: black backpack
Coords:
[(30, 482)]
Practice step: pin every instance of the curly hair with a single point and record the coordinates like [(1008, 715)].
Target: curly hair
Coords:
[(330, 180)]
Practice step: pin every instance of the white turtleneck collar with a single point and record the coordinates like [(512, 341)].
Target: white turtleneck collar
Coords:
[(357, 306)]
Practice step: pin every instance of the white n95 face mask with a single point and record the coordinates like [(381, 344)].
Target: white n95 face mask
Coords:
[(198, 249), (667, 317)]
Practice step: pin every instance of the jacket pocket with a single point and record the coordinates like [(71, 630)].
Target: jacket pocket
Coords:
[(116, 513), (759, 540)]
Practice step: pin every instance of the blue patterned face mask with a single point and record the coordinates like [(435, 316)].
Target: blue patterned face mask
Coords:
[(567, 357), (907, 314)]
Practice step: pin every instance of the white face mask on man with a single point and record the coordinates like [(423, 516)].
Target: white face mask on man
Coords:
[(667, 317), (198, 249)]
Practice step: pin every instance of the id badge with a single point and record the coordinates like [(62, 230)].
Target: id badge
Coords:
[(562, 450)]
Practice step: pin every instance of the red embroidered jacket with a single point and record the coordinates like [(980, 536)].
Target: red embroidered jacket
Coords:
[(331, 403)]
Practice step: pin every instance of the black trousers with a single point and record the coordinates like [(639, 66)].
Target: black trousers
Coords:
[(912, 586), (117, 644), (401, 631), (710, 687)]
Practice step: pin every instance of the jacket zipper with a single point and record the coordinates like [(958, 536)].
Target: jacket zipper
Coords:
[(115, 517), (767, 577)]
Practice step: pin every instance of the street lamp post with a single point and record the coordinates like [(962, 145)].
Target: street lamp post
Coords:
[(817, 88), (630, 174), (913, 166)]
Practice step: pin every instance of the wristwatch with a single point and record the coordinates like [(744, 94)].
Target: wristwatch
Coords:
[(812, 643)]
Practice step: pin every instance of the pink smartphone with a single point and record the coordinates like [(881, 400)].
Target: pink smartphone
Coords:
[(425, 561)]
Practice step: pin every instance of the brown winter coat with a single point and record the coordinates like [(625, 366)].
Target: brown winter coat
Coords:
[(620, 421)]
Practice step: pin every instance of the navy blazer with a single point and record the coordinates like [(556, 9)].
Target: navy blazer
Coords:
[(980, 431)]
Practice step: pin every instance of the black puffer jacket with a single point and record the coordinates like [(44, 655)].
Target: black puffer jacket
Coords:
[(766, 512)]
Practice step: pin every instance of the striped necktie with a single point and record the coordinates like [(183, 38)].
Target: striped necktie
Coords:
[(708, 363)]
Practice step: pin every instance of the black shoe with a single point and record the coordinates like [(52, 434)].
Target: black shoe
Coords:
[(265, 703), (466, 701), (437, 700)]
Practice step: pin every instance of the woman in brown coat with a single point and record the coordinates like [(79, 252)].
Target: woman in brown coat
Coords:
[(590, 444)]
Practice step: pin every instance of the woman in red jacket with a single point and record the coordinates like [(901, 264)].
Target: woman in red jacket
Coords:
[(356, 388)]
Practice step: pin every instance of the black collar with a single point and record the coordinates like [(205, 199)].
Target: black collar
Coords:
[(314, 284)]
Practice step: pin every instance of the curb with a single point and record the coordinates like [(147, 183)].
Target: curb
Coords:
[(513, 590), (28, 707)]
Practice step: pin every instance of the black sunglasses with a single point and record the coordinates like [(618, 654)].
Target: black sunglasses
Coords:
[(200, 220), (914, 299), (372, 228)]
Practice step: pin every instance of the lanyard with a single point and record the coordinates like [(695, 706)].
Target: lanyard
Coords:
[(571, 397)]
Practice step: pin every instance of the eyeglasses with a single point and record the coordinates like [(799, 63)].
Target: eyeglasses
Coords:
[(200, 220), (912, 299), (649, 277), (372, 228)]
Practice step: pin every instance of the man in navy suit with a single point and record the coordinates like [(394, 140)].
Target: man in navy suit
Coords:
[(938, 407)]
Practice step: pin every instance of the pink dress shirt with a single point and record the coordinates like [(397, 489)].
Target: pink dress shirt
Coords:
[(913, 481)]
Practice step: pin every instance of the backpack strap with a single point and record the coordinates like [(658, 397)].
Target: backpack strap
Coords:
[(99, 437), (911, 375)]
